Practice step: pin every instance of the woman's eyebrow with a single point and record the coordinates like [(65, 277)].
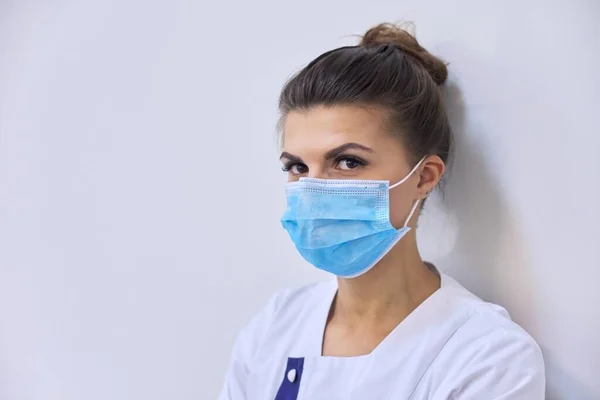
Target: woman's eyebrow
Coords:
[(291, 157), (333, 153)]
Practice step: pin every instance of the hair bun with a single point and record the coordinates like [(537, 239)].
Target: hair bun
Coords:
[(387, 33)]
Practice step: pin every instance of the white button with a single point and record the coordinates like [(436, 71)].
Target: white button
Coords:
[(292, 375)]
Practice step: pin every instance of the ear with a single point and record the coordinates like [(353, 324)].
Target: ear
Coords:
[(431, 171)]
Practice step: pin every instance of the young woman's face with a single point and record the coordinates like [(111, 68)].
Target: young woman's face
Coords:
[(351, 142)]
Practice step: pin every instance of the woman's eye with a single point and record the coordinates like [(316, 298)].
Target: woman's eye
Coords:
[(348, 163), (296, 169), (299, 169)]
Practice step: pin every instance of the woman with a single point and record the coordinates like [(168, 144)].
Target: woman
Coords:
[(365, 139)]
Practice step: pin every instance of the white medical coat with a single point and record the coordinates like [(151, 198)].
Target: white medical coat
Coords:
[(453, 346)]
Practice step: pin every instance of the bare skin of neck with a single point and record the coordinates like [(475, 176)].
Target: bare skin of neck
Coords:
[(367, 308)]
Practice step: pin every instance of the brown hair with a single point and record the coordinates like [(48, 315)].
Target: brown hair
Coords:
[(387, 69)]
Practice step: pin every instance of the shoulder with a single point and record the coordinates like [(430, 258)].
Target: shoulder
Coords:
[(285, 311), (294, 303), (485, 320), (489, 355)]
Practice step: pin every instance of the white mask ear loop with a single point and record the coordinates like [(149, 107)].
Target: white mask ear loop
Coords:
[(414, 207), (409, 174), (412, 211)]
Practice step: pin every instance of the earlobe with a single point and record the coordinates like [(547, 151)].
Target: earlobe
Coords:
[(424, 195)]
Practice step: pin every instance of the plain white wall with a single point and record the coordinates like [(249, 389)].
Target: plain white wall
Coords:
[(140, 192)]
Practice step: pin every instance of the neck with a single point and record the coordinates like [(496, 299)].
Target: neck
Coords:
[(393, 288)]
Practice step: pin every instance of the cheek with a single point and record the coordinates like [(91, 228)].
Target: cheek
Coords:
[(400, 206)]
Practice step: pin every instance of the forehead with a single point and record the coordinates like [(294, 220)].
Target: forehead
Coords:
[(322, 128)]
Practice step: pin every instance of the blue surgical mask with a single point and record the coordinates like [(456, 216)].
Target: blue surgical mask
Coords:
[(342, 226)]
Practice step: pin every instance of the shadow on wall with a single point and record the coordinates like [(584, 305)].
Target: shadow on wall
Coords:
[(489, 256), (487, 253)]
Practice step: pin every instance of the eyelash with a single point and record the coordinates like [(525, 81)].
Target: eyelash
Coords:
[(361, 163), (288, 167)]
